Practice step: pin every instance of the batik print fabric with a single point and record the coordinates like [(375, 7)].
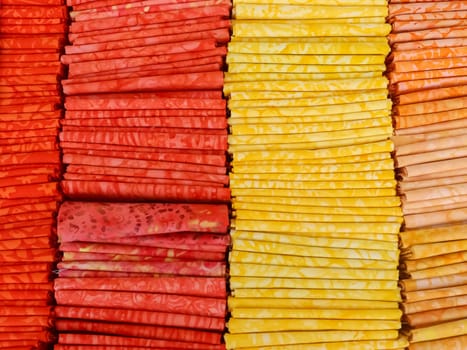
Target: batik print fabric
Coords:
[(31, 37), (141, 275), (427, 71), (145, 117), (315, 213), (434, 286)]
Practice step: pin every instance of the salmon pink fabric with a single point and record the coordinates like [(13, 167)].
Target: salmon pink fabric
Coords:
[(146, 271)]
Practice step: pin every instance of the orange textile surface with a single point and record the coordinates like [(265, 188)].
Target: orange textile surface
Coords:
[(32, 37), (427, 75)]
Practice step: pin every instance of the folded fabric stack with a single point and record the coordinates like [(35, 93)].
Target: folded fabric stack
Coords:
[(141, 276), (145, 118), (428, 75), (316, 216), (434, 286), (427, 72), (31, 37)]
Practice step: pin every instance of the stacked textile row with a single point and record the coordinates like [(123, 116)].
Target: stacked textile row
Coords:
[(145, 118), (31, 37), (428, 75), (427, 71), (141, 275), (145, 121), (434, 286), (316, 217)]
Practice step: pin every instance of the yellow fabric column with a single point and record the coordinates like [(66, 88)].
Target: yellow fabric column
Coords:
[(316, 216)]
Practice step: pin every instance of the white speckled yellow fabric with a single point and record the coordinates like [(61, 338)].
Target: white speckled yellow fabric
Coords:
[(240, 340), (309, 48), (384, 146), (288, 260), (278, 237), (297, 303), (370, 95), (398, 344), (330, 202), (315, 251), (304, 29), (301, 68)]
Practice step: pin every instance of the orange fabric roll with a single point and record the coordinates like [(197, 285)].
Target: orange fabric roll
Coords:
[(434, 261), (452, 343), (434, 167), (434, 304), (432, 106), (437, 293), (434, 282), (441, 126), (436, 218), (431, 317), (432, 156), (430, 94)]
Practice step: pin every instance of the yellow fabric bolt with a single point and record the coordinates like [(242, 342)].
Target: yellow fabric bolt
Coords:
[(353, 202), (338, 314), (306, 59), (381, 295), (296, 119), (399, 344), (308, 48), (384, 131), (278, 237), (267, 76), (266, 96), (275, 303), (310, 39), (379, 165), (286, 67), (310, 185), (326, 252), (236, 325), (301, 29), (274, 338), (280, 226), (330, 109), (384, 146), (310, 85), (370, 95), (302, 242), (242, 282), (370, 175), (287, 95), (313, 145), (312, 217), (285, 129), (377, 174), (276, 11), (286, 260)]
